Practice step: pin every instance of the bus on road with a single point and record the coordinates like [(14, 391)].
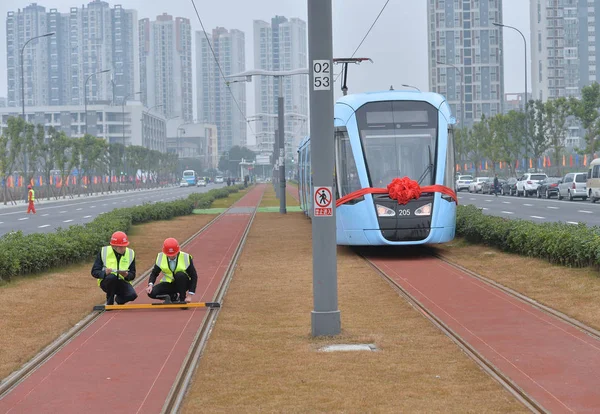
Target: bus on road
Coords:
[(190, 176)]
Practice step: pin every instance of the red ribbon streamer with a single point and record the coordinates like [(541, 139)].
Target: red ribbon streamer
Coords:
[(401, 189)]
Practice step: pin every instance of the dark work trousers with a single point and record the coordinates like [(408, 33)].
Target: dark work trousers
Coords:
[(112, 285), (181, 284)]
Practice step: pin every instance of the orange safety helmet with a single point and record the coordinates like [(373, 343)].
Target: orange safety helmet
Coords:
[(170, 247), (119, 238), (29, 187)]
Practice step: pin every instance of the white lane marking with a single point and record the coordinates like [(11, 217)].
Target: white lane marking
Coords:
[(87, 216), (114, 202), (472, 199), (44, 215), (1, 222), (67, 221), (105, 204), (485, 208), (528, 205), (92, 206), (506, 202), (552, 207), (488, 201), (43, 225), (572, 222), (585, 211), (78, 209), (538, 217), (24, 218), (508, 212), (64, 211)]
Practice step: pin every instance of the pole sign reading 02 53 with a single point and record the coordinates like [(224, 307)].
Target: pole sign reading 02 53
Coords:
[(321, 75)]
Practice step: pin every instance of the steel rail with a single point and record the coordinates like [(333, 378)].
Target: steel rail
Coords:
[(14, 379), (185, 375), (486, 365)]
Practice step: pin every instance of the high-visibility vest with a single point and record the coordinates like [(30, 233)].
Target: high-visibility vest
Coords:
[(109, 260), (31, 195), (183, 262)]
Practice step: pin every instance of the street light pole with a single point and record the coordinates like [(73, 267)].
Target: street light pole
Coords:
[(281, 124), (410, 86), (462, 92), (85, 96), (525, 106), (124, 145), (23, 90)]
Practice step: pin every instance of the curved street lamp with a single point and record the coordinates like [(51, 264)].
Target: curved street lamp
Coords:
[(85, 95), (278, 74), (462, 92)]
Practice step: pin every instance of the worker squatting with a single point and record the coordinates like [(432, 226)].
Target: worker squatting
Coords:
[(114, 268)]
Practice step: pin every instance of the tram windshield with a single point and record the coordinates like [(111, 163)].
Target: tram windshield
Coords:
[(399, 140)]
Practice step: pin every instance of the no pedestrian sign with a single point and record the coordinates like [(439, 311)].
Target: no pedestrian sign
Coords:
[(323, 199)]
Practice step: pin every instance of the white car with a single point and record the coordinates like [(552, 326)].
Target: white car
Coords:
[(183, 183), (463, 181), (475, 186), (201, 183), (528, 183)]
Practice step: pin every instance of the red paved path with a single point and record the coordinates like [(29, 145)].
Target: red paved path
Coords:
[(126, 362), (550, 360)]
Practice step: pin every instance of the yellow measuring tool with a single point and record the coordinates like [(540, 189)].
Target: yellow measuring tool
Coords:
[(211, 305)]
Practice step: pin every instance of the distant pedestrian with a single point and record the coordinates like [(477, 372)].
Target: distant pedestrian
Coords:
[(115, 269), (30, 199), (496, 185)]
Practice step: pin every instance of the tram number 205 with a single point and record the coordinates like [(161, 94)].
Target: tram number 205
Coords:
[(404, 212)]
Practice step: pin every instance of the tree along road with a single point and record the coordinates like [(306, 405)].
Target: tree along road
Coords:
[(52, 214)]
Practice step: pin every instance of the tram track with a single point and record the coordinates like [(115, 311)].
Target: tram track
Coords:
[(469, 350), (17, 377), (184, 377)]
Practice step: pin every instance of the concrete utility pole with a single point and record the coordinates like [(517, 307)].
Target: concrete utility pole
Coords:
[(325, 318)]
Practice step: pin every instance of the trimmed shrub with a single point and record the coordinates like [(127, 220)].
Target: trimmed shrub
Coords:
[(560, 243)]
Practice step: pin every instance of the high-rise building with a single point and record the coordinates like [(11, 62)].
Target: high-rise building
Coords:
[(463, 40), (86, 40), (564, 35), (166, 66), (280, 46), (218, 103)]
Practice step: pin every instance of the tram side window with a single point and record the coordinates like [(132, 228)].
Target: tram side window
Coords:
[(347, 174), (450, 161)]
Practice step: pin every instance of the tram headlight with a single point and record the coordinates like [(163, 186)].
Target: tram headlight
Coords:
[(383, 211), (424, 210)]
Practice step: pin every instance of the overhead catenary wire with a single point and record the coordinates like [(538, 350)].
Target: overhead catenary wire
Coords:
[(366, 35), (219, 66)]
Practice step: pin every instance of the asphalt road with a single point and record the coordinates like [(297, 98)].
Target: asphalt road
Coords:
[(52, 214), (538, 210)]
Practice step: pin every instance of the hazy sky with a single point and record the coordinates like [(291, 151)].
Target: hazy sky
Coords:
[(397, 44)]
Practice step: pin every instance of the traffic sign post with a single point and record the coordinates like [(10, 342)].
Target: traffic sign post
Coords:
[(323, 202), (325, 318)]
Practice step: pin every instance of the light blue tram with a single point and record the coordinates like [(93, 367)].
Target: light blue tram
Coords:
[(380, 136)]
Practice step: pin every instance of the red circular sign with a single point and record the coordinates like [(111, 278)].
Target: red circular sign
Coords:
[(323, 197)]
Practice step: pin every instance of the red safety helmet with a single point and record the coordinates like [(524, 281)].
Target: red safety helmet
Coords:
[(29, 186), (119, 238), (170, 247)]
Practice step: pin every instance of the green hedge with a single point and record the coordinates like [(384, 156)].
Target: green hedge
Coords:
[(33, 253), (561, 243)]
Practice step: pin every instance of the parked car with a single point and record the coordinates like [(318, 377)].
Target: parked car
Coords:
[(509, 187), (529, 182), (548, 187), (475, 186), (488, 186), (573, 186), (463, 181), (201, 183)]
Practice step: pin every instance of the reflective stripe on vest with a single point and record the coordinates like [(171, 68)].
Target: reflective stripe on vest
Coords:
[(109, 260), (183, 262)]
